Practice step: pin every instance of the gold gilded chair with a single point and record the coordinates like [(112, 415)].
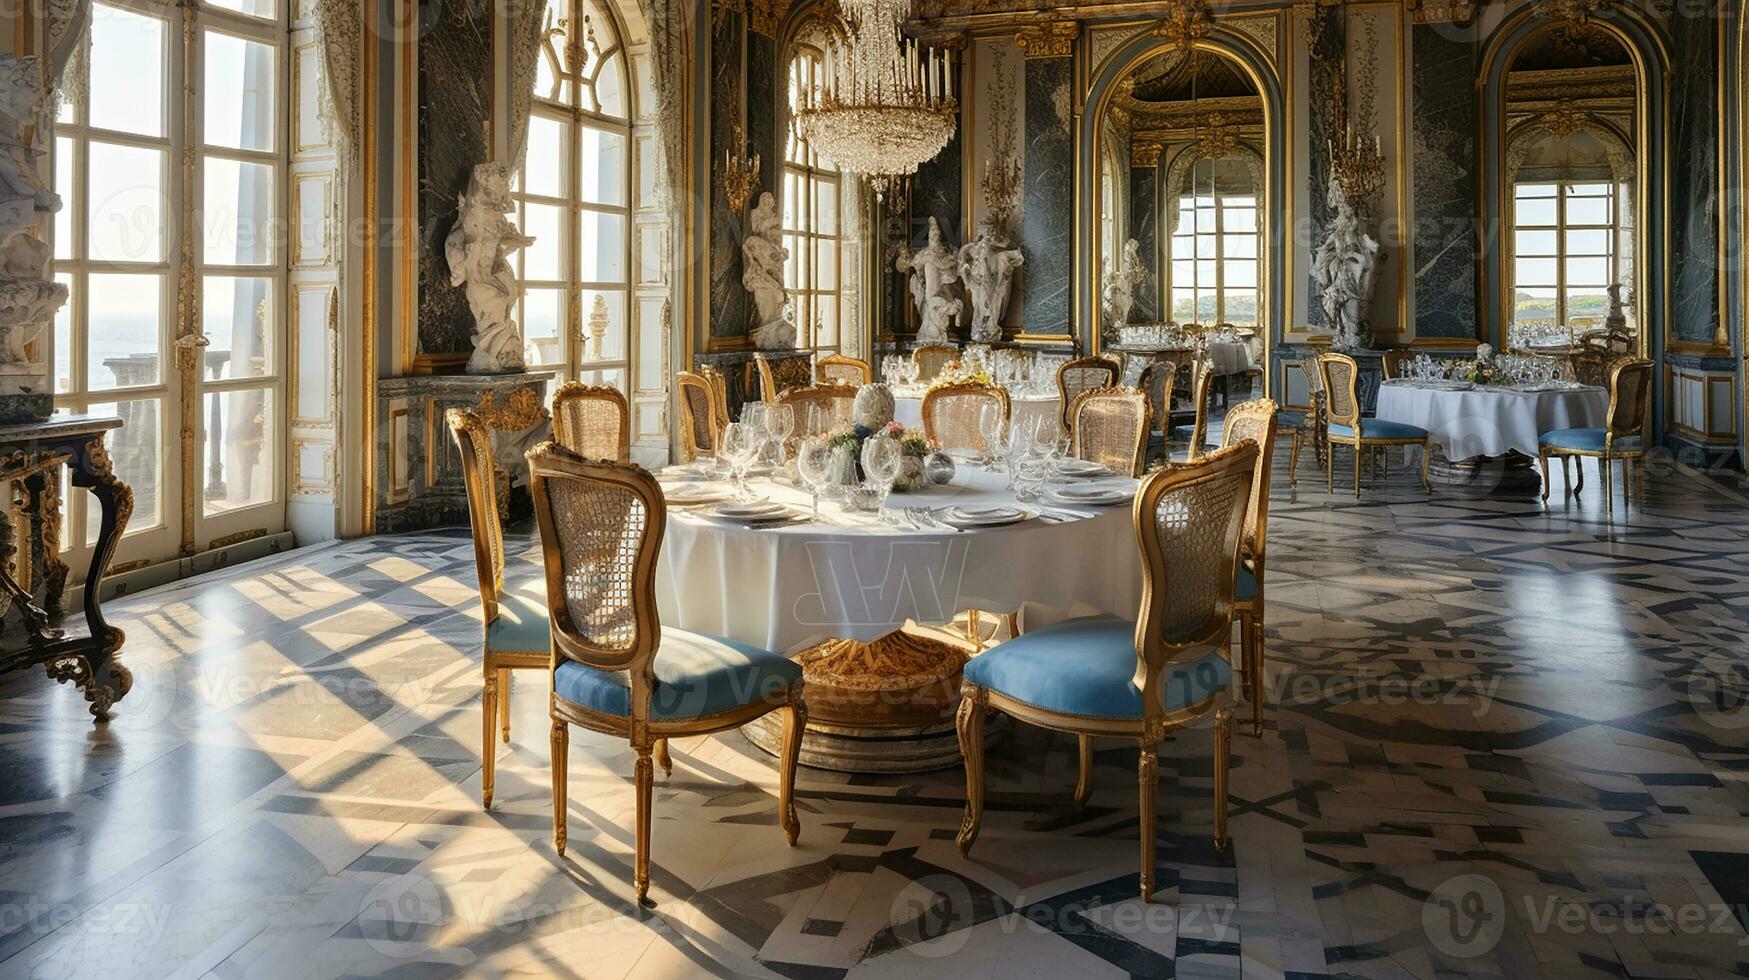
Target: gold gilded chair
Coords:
[(1196, 435), (1159, 382), (1083, 374), (1345, 427), (698, 415), (1104, 675), (514, 609), (1621, 438), (835, 404), (1392, 362), (950, 414), (1109, 426), (615, 669), (841, 370), (592, 420), (1255, 421), (931, 358), (719, 383)]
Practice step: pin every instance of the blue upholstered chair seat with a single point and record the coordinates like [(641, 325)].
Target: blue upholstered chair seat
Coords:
[(1087, 667), (1290, 420), (1379, 429), (1585, 440), (521, 626), (696, 674), (1244, 584)]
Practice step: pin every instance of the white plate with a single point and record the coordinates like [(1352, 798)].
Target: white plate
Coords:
[(984, 516), (751, 510), (1094, 496), (1082, 467), (692, 493)]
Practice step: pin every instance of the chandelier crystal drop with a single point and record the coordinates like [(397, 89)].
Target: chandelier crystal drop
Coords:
[(884, 105)]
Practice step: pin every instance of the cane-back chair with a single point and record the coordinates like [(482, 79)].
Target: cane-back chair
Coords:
[(841, 370), (1622, 436), (1107, 676), (931, 358), (513, 606), (1084, 374), (1159, 382), (1254, 421), (819, 409), (1109, 426), (615, 669), (1345, 427), (592, 420), (719, 383), (951, 412), (698, 415)]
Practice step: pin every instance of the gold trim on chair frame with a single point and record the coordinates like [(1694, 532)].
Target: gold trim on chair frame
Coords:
[(830, 361), (1139, 400), (1202, 374), (685, 381), (1352, 419), (648, 736), (932, 395), (473, 440), (1113, 376), (577, 392), (1610, 435), (1152, 656), (1250, 611), (928, 352)]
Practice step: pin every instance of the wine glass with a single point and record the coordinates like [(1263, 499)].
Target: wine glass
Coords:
[(881, 460), (753, 413), (814, 465), (1030, 478), (741, 443), (780, 421), (990, 428)]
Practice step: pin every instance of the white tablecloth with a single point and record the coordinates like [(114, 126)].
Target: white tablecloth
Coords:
[(847, 576), (1488, 421), (908, 409)]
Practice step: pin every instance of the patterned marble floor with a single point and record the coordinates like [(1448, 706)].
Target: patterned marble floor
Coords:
[(1501, 741)]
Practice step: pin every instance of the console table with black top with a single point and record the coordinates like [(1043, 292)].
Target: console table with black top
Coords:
[(31, 457)]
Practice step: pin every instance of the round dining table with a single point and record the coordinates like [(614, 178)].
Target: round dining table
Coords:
[(908, 406), (1466, 421), (838, 591)]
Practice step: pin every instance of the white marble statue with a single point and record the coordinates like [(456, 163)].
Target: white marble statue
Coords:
[(987, 265), (933, 271), (28, 298), (1345, 266), (1616, 320), (477, 249), (1119, 293), (762, 259)]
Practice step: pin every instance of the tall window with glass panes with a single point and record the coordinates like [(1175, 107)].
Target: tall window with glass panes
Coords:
[(129, 213), (573, 196), (1564, 249), (814, 272), (1213, 250)]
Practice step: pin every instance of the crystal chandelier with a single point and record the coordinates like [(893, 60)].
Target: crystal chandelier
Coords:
[(883, 106)]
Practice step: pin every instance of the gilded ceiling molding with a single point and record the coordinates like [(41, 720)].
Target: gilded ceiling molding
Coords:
[(1102, 41), (1262, 28), (1145, 153), (765, 16), (1185, 23), (1052, 39), (1443, 11)]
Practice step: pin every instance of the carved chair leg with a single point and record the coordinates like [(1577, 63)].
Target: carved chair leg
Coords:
[(1330, 470), (488, 745), (1251, 647), (1223, 749), (561, 750), (1567, 473), (1426, 454), (1359, 451), (970, 724), (1608, 490), (644, 781), (1542, 459), (1084, 782), (1579, 484), (1293, 461), (1148, 778), (663, 759), (504, 703), (795, 722)]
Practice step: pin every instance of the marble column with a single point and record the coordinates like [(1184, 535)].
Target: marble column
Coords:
[(1446, 239), (1694, 184), (728, 310), (1047, 233), (1144, 222)]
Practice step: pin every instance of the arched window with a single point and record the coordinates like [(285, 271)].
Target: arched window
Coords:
[(812, 225), (1214, 245), (574, 198)]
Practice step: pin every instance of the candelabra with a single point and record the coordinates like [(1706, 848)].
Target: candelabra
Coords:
[(1358, 166), (740, 173)]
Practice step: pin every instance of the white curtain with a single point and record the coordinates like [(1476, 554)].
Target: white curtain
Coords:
[(339, 24), (64, 41), (527, 18), (669, 22)]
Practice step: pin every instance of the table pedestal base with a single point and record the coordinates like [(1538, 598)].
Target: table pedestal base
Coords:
[(881, 707), (1511, 475)]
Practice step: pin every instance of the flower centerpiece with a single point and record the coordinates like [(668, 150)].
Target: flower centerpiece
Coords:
[(847, 445), (1483, 370), (959, 373)]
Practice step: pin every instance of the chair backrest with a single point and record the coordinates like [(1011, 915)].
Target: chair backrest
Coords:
[(1254, 421), (719, 383), (767, 380), (931, 358), (1630, 398), (474, 439), (838, 369), (1201, 389), (698, 411), (1341, 389), (601, 528), (1392, 363), (1158, 381), (1189, 519), (950, 414), (593, 421), (1110, 427), (1314, 377), (1083, 374), (836, 404)]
